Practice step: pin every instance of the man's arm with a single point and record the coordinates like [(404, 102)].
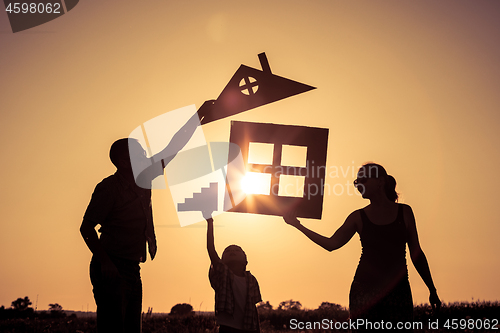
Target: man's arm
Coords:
[(179, 140), (160, 160), (87, 230)]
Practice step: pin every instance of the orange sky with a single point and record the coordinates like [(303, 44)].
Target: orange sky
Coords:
[(410, 85)]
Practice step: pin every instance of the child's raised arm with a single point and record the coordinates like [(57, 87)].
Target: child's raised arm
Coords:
[(214, 257)]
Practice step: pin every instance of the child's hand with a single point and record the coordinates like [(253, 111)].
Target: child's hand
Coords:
[(290, 217), (207, 215)]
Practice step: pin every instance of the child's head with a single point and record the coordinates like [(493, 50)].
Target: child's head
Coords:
[(233, 254)]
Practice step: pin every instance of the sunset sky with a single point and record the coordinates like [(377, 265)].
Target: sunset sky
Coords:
[(412, 85)]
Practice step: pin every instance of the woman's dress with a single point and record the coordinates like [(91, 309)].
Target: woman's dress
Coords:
[(380, 289)]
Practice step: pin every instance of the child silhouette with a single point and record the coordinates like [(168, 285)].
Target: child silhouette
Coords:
[(236, 289)]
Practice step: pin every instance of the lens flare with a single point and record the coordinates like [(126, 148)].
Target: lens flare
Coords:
[(256, 183)]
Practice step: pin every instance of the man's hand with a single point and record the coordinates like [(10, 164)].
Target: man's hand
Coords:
[(152, 247), (206, 110)]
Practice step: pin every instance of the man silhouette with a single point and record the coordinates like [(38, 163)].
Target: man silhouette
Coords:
[(121, 205)]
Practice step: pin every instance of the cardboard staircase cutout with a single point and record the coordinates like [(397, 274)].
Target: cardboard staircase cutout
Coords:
[(250, 88), (197, 180), (285, 181), (204, 201)]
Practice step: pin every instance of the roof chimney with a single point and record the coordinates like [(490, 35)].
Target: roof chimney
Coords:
[(264, 63)]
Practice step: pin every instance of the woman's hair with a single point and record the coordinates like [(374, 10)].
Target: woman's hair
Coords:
[(373, 170)]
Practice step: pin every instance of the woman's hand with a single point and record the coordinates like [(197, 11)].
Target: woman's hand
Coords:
[(435, 301), (290, 218)]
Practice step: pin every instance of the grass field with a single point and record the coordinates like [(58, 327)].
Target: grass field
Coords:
[(459, 317)]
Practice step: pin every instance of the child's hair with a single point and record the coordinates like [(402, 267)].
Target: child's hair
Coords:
[(232, 246)]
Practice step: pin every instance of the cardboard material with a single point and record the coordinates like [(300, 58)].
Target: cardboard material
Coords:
[(250, 88), (312, 176), (204, 201)]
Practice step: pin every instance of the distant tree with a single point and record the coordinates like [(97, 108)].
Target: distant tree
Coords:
[(4, 312), (290, 305), (55, 307), (332, 310), (21, 304), (264, 306), (183, 309), (21, 309), (56, 310), (330, 306)]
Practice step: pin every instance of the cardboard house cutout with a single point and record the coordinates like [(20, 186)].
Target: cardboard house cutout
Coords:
[(289, 160)]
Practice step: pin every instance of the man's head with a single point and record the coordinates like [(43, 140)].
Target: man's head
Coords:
[(122, 150), (118, 153)]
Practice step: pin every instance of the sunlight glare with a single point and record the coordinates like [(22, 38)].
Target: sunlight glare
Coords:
[(256, 183)]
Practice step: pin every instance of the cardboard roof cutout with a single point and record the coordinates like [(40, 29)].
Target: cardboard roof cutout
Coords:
[(250, 88)]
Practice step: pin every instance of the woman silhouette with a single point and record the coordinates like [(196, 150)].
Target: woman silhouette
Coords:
[(380, 289)]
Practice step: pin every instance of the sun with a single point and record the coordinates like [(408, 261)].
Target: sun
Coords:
[(256, 183)]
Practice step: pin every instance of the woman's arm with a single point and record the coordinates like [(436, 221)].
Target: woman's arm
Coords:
[(337, 240), (418, 257)]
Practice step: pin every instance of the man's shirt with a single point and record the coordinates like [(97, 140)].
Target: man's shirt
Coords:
[(124, 212)]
